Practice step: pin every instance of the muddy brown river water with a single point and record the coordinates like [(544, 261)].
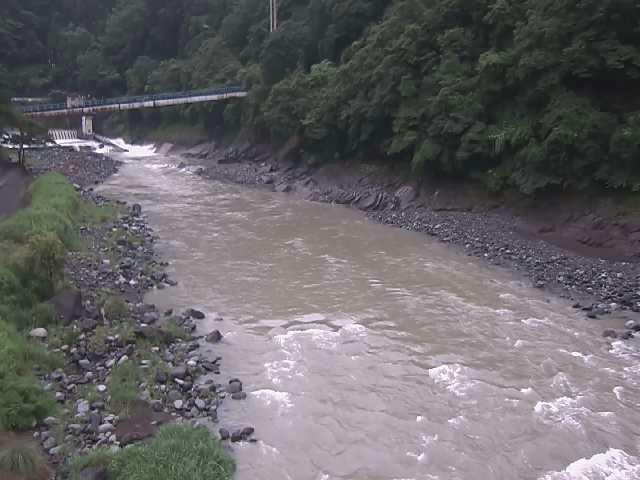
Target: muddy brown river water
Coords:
[(373, 353)]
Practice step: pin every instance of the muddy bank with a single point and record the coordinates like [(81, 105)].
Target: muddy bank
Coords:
[(13, 184), (127, 368), (468, 219)]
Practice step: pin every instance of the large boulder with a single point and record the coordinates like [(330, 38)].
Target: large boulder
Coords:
[(68, 305)]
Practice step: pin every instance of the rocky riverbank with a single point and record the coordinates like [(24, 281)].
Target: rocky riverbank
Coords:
[(596, 285), (126, 368)]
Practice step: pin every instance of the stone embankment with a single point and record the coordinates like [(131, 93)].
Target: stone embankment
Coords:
[(597, 286)]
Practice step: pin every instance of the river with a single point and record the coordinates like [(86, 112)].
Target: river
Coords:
[(373, 353)]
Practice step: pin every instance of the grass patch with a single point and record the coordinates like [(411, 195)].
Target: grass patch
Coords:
[(22, 459), (176, 453), (100, 457), (22, 400), (123, 387), (114, 307)]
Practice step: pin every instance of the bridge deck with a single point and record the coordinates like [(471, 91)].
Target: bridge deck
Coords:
[(134, 102)]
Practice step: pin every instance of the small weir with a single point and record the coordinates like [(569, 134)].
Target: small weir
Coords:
[(58, 134)]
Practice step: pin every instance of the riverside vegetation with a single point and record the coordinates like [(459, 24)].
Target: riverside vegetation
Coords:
[(531, 95), (41, 250)]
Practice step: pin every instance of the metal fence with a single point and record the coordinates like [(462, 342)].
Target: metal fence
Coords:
[(133, 99)]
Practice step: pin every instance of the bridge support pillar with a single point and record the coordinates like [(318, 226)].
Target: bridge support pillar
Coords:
[(87, 125)]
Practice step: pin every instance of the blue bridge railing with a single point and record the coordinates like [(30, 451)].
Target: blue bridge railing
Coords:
[(133, 99)]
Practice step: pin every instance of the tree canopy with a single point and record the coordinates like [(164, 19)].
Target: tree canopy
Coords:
[(526, 94)]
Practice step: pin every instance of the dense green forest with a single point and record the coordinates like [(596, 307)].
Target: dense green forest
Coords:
[(531, 94)]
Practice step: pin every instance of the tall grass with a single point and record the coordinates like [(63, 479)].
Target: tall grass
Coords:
[(33, 246), (23, 459), (178, 452)]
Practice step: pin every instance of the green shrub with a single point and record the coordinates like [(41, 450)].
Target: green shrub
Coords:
[(177, 452), (42, 315), (23, 402), (114, 307)]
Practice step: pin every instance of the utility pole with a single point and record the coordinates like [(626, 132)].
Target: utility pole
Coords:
[(273, 12)]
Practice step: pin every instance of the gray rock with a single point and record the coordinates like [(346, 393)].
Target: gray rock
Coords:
[(161, 377), (75, 428), (178, 372), (238, 396), (51, 421), (197, 314), (127, 263), (224, 434), (214, 337), (106, 428), (94, 473), (174, 395), (610, 334), (242, 434), (136, 210), (178, 404), (49, 443), (235, 386), (39, 333), (150, 317), (68, 305), (200, 404), (56, 451), (82, 407), (88, 324)]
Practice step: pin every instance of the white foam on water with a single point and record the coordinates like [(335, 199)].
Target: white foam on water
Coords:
[(354, 329), (452, 377), (418, 456), (613, 464), (420, 419), (564, 410), (267, 449), (618, 392), (270, 397), (322, 339), (534, 322), (518, 344), (562, 384), (625, 349), (310, 318), (280, 369), (456, 421), (134, 151)]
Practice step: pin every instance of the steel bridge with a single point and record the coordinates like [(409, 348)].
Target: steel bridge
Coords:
[(83, 106)]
